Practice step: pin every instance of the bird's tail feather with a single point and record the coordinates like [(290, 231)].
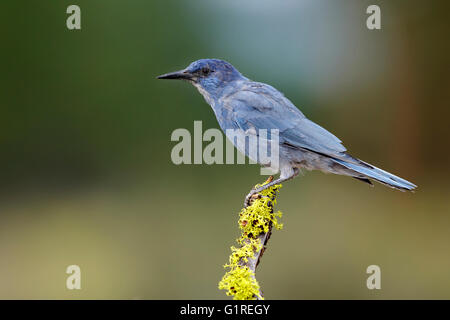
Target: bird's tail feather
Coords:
[(377, 174)]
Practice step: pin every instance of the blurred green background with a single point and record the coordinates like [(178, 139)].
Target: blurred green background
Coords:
[(86, 176)]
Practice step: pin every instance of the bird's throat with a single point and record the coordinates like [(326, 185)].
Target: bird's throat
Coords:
[(208, 97)]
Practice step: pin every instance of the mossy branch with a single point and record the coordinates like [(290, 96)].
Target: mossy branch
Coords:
[(256, 222)]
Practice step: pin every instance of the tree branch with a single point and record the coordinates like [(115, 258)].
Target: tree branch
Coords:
[(256, 222)]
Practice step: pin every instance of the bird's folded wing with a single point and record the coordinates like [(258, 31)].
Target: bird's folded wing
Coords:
[(263, 107)]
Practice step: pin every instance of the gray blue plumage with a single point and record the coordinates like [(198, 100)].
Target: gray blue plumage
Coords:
[(240, 103)]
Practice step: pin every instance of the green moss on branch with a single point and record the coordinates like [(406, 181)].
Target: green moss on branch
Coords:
[(256, 222)]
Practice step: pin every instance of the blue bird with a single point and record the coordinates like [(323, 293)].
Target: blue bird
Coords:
[(242, 104)]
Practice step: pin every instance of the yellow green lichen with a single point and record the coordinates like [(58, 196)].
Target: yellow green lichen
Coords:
[(240, 283), (254, 220)]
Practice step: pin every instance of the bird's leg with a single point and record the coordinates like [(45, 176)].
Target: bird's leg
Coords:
[(254, 192)]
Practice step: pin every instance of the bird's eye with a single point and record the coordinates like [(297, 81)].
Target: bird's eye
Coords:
[(205, 71)]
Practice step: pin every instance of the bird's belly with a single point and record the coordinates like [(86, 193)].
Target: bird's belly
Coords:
[(308, 160), (270, 153), (257, 148)]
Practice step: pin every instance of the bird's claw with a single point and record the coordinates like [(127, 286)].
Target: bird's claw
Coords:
[(252, 196)]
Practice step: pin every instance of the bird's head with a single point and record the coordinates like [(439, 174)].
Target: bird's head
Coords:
[(210, 76)]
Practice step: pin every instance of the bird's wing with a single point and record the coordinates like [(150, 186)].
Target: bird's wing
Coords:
[(260, 106)]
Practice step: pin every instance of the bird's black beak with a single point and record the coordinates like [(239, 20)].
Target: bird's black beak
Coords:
[(182, 74)]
